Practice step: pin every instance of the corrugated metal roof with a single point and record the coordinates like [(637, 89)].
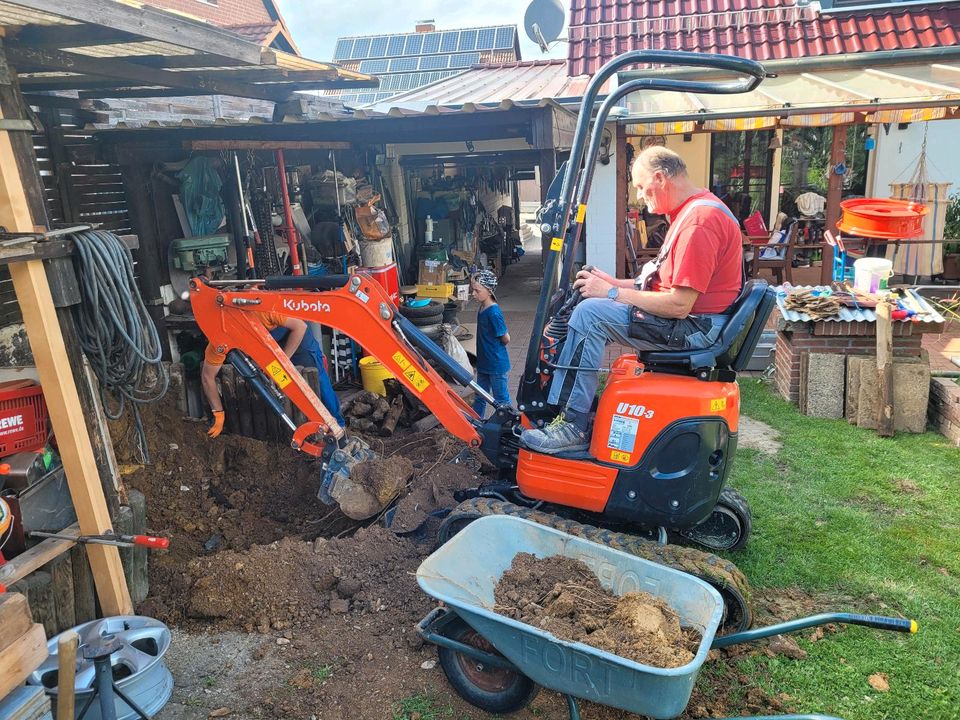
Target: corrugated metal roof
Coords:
[(519, 83), (759, 29), (846, 314)]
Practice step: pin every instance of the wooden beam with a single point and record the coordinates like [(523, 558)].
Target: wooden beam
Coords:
[(183, 61), (36, 557), (58, 37), (153, 24), (838, 150), (24, 656), (61, 101), (60, 389), (264, 145), (111, 68), (885, 427)]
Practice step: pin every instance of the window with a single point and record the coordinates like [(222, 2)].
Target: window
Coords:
[(468, 40), (504, 38), (342, 51), (378, 47), (373, 66), (431, 43), (485, 39), (396, 45), (449, 42), (361, 48), (414, 44)]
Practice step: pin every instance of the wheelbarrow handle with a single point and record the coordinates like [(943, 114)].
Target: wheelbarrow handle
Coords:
[(878, 622)]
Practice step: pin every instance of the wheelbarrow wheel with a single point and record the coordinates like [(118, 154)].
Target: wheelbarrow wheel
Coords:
[(492, 689)]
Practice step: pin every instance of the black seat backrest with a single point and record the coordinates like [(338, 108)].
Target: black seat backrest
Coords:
[(737, 340)]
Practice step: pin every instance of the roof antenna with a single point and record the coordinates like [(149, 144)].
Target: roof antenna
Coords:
[(543, 21)]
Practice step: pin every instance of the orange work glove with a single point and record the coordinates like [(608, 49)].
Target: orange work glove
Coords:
[(217, 426)]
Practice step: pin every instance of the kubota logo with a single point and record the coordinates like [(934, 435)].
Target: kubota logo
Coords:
[(639, 411), (303, 306)]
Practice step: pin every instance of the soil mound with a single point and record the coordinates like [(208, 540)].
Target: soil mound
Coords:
[(564, 597)]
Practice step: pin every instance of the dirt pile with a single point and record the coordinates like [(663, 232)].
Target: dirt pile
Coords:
[(564, 597), (291, 584)]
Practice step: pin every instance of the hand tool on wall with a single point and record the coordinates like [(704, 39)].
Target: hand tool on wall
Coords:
[(148, 541), (289, 229), (247, 237)]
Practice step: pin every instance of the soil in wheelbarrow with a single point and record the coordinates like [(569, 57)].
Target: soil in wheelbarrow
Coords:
[(564, 597)]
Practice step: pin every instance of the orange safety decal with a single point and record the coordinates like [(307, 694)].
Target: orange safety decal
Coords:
[(419, 382), (278, 374)]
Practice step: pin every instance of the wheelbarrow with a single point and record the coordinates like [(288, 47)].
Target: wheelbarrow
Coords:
[(498, 664)]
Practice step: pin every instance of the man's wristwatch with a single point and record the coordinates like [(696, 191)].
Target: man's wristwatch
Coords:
[(613, 293)]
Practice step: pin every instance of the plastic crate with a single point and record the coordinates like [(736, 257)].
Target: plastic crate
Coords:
[(763, 354), (23, 417)]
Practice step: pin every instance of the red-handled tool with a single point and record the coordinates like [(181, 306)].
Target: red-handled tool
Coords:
[(148, 541)]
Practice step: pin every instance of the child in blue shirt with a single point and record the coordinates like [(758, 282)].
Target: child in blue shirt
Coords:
[(493, 362)]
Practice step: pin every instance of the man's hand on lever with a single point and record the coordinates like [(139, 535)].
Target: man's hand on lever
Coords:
[(593, 283)]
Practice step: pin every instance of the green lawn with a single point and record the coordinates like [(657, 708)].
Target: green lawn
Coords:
[(862, 524)]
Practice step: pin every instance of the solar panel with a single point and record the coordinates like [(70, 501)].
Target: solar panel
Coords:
[(485, 38), (468, 40), (342, 51), (433, 62), (361, 48), (373, 66), (378, 47), (504, 38), (395, 46), (414, 44), (464, 60), (449, 42), (366, 98), (403, 64), (431, 43)]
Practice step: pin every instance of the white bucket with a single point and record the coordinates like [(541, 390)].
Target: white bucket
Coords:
[(376, 253), (871, 275)]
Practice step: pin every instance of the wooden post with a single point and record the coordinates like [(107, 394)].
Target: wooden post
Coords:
[(66, 674), (885, 369), (60, 389), (838, 149), (622, 184)]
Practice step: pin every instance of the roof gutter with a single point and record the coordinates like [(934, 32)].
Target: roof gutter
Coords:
[(884, 58)]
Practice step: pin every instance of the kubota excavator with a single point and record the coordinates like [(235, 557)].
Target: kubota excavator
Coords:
[(665, 427)]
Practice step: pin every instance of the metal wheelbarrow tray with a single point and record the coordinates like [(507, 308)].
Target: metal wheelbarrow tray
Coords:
[(464, 572)]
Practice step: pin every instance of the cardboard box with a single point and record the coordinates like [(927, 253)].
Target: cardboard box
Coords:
[(433, 272), (436, 291)]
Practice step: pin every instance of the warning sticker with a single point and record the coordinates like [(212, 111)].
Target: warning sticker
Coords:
[(620, 457), (278, 374), (556, 244), (581, 213), (410, 372), (718, 405), (623, 433)]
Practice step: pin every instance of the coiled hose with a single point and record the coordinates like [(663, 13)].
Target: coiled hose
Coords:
[(116, 332)]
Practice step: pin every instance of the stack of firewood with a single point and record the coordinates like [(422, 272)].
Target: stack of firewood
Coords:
[(373, 414)]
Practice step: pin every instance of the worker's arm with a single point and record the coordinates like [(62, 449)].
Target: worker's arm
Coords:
[(607, 277), (677, 302), (505, 338), (297, 328), (208, 381)]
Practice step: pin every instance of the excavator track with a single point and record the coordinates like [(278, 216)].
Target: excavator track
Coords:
[(722, 574)]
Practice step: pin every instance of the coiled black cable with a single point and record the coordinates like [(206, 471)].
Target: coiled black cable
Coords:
[(116, 331)]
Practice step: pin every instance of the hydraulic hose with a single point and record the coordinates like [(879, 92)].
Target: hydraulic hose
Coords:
[(116, 333)]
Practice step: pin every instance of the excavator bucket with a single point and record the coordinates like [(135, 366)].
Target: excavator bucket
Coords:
[(345, 481)]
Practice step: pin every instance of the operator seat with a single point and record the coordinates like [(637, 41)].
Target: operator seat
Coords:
[(735, 344)]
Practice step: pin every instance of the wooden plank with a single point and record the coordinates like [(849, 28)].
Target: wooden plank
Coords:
[(36, 557), (65, 36), (61, 572), (39, 591), (66, 674), (24, 656), (885, 418), (152, 23), (140, 583), (84, 592), (265, 145), (15, 618)]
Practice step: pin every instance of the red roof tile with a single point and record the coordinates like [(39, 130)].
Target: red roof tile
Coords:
[(254, 32), (759, 29)]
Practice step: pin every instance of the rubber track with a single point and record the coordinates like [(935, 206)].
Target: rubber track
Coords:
[(721, 574)]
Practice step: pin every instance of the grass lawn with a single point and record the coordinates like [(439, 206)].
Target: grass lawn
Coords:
[(862, 524)]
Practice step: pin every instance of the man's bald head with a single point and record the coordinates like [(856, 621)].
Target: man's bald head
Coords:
[(660, 177)]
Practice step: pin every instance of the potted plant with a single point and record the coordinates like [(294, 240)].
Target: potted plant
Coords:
[(951, 240)]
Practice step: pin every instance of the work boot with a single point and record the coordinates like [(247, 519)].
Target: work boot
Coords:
[(557, 437)]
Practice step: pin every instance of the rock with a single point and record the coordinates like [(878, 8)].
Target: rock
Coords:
[(326, 582), (339, 606), (348, 587), (782, 645), (428, 665), (878, 681), (219, 712), (320, 545), (283, 641)]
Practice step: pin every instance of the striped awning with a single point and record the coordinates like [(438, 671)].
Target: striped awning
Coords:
[(908, 92)]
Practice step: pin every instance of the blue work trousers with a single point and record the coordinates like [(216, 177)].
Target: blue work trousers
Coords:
[(496, 385)]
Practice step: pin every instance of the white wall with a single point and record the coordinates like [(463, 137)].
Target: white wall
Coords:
[(602, 213), (897, 153)]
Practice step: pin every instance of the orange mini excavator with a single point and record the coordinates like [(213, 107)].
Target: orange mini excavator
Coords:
[(665, 428)]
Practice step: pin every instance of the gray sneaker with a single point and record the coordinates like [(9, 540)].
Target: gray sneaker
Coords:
[(557, 437)]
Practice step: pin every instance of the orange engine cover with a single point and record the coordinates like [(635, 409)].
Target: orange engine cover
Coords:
[(633, 410)]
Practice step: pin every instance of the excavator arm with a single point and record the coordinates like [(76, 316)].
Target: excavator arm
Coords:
[(355, 305)]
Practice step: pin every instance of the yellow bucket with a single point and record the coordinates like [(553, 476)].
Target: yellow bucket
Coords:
[(372, 375)]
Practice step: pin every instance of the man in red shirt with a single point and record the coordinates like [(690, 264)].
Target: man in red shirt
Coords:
[(677, 303)]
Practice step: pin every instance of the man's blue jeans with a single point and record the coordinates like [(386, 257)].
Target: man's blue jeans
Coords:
[(496, 385), (596, 322)]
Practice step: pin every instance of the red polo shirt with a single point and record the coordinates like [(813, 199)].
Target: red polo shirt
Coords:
[(706, 255)]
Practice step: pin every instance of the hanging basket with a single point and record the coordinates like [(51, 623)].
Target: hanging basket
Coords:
[(882, 218)]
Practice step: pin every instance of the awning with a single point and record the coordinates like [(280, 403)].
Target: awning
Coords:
[(829, 93)]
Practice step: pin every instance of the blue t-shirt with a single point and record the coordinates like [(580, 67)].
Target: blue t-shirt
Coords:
[(492, 357)]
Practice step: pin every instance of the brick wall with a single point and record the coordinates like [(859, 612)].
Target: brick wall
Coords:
[(944, 408), (219, 12), (826, 338)]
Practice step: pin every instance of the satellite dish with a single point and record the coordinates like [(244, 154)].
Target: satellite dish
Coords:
[(544, 21)]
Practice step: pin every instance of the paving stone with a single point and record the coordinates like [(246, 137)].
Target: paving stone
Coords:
[(825, 385)]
